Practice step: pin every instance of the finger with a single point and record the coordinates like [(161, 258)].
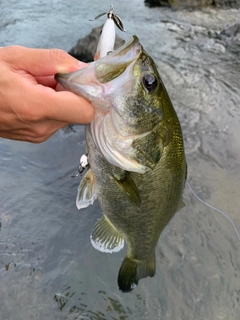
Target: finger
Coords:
[(59, 87), (47, 81), (66, 107), (23, 137), (36, 103), (35, 133), (42, 62)]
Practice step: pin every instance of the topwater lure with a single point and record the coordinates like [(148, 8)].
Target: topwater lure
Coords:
[(107, 37)]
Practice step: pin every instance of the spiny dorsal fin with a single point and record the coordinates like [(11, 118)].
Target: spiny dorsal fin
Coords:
[(105, 237), (86, 191)]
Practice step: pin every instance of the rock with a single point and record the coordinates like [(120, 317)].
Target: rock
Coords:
[(230, 38), (157, 3), (190, 3), (231, 31), (194, 4), (85, 48)]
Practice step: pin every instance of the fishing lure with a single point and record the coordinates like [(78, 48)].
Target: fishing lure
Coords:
[(107, 37), (82, 166)]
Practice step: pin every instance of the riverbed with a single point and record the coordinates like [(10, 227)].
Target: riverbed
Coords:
[(48, 268)]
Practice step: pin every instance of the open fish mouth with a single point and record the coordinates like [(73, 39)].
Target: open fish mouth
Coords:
[(116, 62), (101, 71)]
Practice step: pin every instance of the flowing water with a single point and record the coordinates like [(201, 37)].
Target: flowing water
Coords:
[(48, 268)]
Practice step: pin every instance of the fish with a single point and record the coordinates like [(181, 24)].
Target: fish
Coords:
[(136, 161)]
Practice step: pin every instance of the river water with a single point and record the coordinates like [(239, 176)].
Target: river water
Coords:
[(48, 268)]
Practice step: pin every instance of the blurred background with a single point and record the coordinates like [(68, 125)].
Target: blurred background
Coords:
[(48, 268)]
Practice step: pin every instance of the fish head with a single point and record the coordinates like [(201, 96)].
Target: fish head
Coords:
[(127, 92), (136, 95), (126, 82)]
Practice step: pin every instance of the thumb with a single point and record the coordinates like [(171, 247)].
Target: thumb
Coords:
[(42, 62)]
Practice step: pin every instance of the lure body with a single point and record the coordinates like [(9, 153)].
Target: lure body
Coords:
[(108, 34), (106, 40)]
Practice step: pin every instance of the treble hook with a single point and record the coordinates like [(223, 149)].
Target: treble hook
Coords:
[(82, 166)]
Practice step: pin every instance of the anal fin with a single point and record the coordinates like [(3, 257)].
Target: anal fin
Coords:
[(105, 237)]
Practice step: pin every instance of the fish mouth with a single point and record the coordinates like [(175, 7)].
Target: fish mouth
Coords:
[(114, 64), (87, 81)]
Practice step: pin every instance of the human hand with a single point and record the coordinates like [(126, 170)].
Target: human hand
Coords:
[(32, 105)]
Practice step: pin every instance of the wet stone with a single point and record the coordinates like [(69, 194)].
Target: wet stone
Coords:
[(193, 4)]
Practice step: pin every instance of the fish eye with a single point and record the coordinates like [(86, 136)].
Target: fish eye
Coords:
[(149, 82)]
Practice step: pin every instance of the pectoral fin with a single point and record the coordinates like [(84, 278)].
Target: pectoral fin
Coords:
[(86, 191), (127, 185), (105, 237)]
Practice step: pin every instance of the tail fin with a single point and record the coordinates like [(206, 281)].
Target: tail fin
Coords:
[(133, 270)]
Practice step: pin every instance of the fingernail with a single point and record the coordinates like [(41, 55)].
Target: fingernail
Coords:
[(71, 68), (65, 69)]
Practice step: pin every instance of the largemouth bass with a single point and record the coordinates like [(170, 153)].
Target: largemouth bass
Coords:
[(137, 165)]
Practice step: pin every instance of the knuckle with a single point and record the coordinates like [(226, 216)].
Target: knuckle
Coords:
[(29, 115), (34, 139), (38, 135), (39, 139), (57, 54), (41, 132), (44, 131)]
